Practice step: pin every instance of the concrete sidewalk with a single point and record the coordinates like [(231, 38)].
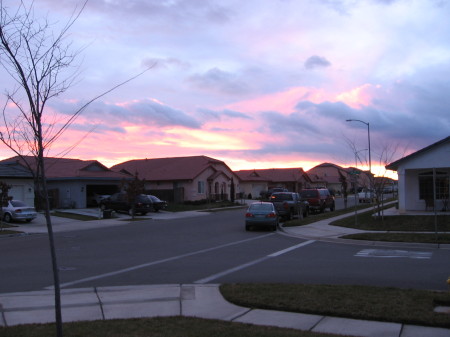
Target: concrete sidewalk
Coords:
[(202, 301)]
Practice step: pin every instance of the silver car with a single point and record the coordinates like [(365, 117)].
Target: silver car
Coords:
[(261, 214), (18, 210)]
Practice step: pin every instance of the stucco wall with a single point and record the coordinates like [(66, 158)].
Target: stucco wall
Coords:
[(408, 176)]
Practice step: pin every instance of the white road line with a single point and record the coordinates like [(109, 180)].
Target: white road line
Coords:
[(251, 263), (144, 265), (281, 252)]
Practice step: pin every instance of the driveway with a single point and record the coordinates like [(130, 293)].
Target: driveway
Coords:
[(61, 224)]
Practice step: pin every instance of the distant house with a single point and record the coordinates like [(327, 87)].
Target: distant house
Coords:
[(423, 178), (20, 179), (331, 176), (72, 183), (253, 182), (179, 179)]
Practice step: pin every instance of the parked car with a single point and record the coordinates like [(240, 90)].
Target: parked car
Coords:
[(261, 214), (119, 203), (366, 196), (289, 204), (267, 194), (319, 199), (157, 203), (18, 211)]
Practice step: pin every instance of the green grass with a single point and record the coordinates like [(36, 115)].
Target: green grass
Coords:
[(407, 223), (358, 302), (156, 327), (416, 229), (314, 217), (401, 237)]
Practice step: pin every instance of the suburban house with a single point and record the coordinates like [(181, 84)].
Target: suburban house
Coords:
[(423, 178), (179, 179), (20, 181), (253, 182), (72, 183), (332, 176)]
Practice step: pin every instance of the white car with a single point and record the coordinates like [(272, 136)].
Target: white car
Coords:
[(366, 196), (18, 210)]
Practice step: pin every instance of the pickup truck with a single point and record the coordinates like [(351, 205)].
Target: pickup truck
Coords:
[(289, 204)]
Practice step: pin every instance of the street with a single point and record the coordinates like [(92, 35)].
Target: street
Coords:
[(210, 249)]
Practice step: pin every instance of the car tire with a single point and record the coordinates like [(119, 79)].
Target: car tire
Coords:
[(7, 218), (28, 220)]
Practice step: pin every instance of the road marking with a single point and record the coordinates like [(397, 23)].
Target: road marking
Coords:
[(389, 254), (144, 265), (281, 252), (251, 263)]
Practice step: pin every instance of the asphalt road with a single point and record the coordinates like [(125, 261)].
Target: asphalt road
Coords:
[(209, 249)]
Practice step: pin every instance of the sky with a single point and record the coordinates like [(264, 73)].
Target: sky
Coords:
[(255, 83)]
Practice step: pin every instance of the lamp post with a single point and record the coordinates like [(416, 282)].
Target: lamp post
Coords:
[(370, 159)]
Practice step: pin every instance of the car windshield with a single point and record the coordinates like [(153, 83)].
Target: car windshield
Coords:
[(154, 199), (143, 198), (261, 207), (281, 196), (17, 203), (309, 194)]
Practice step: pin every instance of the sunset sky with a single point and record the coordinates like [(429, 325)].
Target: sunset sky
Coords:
[(255, 83)]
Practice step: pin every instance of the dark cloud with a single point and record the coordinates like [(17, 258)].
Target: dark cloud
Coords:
[(207, 114), (316, 62), (219, 81), (292, 123), (165, 63), (175, 11), (144, 112)]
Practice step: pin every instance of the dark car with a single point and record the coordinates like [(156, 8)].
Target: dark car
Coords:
[(261, 214), (289, 204), (157, 203), (319, 199), (119, 203), (267, 194)]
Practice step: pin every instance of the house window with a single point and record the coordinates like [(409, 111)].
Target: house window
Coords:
[(201, 187), (426, 185)]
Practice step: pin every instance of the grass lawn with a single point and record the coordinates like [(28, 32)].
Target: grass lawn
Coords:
[(399, 228), (156, 327), (359, 302)]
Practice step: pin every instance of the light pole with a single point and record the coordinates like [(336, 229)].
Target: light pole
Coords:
[(370, 159), (355, 184)]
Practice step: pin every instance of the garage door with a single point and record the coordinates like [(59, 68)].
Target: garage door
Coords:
[(17, 192)]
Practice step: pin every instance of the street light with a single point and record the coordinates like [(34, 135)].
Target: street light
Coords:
[(368, 137)]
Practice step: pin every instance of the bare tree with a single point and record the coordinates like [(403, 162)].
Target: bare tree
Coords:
[(133, 188), (41, 63), (4, 198)]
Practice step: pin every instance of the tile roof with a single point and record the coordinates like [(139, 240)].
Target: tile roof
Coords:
[(62, 168), (14, 170), (273, 175), (175, 168)]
